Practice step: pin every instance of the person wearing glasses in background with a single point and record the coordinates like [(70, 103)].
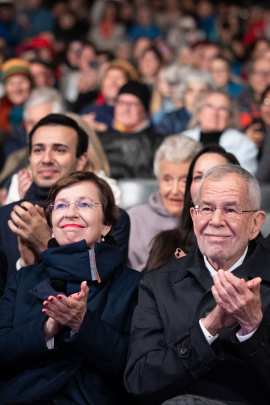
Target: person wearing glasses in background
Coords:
[(65, 321), (215, 119), (202, 324), (249, 99), (131, 143)]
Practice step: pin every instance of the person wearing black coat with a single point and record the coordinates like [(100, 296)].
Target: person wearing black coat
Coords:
[(131, 143), (3, 272), (65, 321), (189, 335), (131, 154)]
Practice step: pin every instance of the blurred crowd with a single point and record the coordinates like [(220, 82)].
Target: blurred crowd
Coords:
[(96, 91), (133, 73)]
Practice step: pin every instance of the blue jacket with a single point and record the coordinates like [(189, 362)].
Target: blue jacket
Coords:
[(174, 122), (40, 20), (235, 89), (137, 31), (86, 369), (104, 113)]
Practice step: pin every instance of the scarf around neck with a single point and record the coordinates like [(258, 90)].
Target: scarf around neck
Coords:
[(73, 263)]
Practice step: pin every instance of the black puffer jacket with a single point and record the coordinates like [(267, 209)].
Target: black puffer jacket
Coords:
[(131, 154)]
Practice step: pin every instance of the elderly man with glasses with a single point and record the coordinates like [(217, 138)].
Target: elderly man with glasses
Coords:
[(202, 324)]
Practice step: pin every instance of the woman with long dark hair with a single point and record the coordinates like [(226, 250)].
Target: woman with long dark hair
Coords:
[(167, 242)]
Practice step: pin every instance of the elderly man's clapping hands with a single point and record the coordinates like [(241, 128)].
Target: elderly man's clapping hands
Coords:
[(238, 302)]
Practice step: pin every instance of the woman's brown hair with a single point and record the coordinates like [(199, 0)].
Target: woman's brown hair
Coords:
[(106, 197)]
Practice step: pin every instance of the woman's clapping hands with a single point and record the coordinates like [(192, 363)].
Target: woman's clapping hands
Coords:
[(65, 311)]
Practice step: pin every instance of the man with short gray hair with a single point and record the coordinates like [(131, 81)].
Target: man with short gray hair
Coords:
[(202, 324)]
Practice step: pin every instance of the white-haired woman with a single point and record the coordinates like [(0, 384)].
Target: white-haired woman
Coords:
[(215, 119), (192, 86), (164, 208)]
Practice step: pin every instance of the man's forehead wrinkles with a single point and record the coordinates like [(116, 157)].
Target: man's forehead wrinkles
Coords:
[(230, 185), (228, 201), (220, 193)]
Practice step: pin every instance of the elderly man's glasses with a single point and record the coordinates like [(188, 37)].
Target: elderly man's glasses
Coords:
[(228, 211), (85, 205)]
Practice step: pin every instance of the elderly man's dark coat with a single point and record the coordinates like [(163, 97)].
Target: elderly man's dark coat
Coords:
[(169, 354), (87, 368)]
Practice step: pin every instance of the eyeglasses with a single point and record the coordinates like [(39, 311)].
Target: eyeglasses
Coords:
[(221, 110), (261, 72), (228, 211), (84, 206), (132, 104)]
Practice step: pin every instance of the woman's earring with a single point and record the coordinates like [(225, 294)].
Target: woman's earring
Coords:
[(102, 238)]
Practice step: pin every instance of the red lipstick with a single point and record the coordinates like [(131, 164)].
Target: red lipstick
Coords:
[(72, 226)]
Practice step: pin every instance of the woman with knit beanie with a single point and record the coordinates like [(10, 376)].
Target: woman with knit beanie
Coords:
[(17, 81)]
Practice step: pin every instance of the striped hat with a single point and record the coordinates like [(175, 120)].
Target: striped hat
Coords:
[(15, 67)]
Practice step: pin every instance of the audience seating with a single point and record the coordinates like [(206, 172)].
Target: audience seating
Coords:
[(136, 191)]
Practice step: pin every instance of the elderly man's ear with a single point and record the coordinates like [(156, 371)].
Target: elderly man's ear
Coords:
[(82, 161), (258, 219), (192, 213)]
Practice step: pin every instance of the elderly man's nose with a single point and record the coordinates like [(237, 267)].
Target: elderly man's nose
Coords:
[(217, 217)]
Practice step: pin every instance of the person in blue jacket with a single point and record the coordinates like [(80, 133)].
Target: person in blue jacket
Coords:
[(65, 321), (144, 27)]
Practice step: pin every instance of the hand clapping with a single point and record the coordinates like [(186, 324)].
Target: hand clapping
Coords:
[(65, 311), (30, 225), (239, 299)]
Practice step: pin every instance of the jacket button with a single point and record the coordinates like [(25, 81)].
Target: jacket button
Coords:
[(34, 289), (183, 350)]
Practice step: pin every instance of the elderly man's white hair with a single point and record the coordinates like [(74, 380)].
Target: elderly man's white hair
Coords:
[(217, 173), (176, 149), (195, 76), (45, 95)]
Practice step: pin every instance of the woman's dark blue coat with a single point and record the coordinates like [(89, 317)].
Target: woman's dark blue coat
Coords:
[(86, 368)]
